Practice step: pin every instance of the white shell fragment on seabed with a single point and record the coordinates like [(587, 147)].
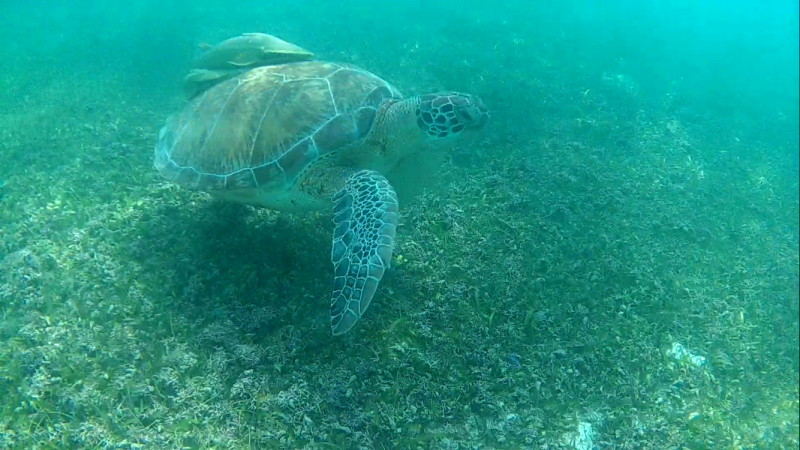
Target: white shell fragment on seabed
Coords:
[(583, 439), (679, 352)]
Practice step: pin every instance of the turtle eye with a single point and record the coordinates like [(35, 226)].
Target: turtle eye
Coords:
[(467, 115)]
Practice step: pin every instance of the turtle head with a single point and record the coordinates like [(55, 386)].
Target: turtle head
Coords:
[(446, 114), (427, 123)]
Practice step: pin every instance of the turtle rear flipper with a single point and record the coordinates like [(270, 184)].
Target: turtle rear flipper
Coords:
[(365, 215)]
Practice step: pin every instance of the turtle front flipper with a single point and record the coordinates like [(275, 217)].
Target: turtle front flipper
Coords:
[(365, 215)]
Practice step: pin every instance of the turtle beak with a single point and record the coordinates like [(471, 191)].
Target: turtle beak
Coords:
[(476, 114)]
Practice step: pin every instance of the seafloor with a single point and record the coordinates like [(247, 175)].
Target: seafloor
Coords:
[(540, 286)]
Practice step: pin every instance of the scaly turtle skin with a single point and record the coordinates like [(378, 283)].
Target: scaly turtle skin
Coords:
[(311, 135), (238, 54)]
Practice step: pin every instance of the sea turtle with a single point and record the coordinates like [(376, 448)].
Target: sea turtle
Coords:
[(311, 135), (236, 55)]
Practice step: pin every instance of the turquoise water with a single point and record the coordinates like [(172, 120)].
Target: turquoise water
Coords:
[(611, 262)]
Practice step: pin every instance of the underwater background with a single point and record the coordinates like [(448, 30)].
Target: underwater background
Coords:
[(612, 265)]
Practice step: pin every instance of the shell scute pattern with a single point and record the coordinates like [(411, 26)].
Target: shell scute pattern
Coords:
[(263, 128), (297, 157)]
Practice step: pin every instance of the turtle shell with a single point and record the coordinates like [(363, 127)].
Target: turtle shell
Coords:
[(262, 129)]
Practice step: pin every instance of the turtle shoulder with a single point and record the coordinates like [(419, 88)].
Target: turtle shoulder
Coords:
[(263, 128)]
